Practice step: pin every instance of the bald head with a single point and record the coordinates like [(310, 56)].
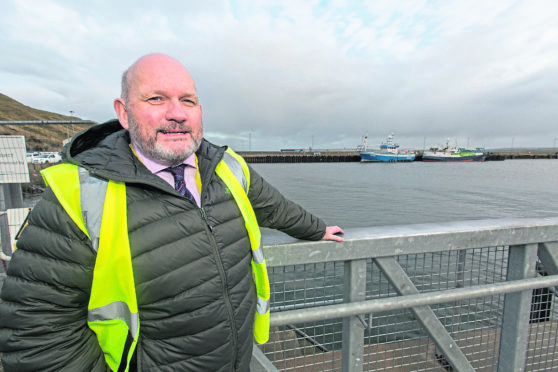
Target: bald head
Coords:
[(159, 107), (148, 63)]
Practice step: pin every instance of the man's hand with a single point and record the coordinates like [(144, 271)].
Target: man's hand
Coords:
[(331, 233)]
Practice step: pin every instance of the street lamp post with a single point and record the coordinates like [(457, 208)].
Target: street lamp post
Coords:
[(72, 114)]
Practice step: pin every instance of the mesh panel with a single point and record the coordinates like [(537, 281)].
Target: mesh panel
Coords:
[(395, 340)]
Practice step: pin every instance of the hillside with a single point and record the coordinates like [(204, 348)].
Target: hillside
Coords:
[(10, 109), (38, 137)]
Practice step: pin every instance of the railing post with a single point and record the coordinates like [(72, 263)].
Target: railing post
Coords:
[(353, 330), (259, 362), (517, 306)]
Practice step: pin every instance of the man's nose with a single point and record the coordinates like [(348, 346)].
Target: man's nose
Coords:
[(175, 111)]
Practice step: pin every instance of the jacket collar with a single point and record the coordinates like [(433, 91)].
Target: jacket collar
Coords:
[(104, 150)]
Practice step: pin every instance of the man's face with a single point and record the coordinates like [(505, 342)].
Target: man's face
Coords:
[(163, 114)]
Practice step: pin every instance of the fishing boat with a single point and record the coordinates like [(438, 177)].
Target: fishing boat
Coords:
[(388, 152), (454, 153)]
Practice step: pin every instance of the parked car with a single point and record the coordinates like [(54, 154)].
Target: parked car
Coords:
[(30, 155), (47, 158)]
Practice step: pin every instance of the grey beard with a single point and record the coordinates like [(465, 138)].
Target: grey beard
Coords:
[(150, 148)]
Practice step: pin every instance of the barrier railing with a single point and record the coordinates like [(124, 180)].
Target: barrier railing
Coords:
[(460, 296)]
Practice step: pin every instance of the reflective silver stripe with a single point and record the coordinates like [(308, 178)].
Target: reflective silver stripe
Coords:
[(236, 169), (257, 255), (92, 195), (262, 306), (115, 310)]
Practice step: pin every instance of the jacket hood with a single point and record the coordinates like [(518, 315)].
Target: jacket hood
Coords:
[(104, 150)]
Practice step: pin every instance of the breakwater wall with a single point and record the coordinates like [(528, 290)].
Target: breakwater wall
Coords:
[(353, 156), (522, 155), (300, 157)]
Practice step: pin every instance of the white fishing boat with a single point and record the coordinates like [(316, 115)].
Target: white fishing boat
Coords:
[(454, 153)]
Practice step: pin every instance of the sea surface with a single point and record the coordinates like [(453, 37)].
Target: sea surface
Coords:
[(376, 194)]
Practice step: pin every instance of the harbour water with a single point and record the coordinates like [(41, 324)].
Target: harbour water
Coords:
[(375, 194)]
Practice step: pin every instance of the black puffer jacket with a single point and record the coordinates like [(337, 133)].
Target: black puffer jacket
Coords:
[(191, 267)]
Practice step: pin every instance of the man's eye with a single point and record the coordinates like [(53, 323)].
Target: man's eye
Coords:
[(189, 102), (155, 99)]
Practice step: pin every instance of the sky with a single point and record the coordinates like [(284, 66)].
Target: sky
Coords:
[(304, 74)]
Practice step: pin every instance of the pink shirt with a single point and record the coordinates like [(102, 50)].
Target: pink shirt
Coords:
[(189, 172)]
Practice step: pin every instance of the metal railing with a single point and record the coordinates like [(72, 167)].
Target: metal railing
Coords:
[(461, 296)]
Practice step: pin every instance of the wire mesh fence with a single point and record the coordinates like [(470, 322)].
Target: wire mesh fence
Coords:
[(396, 340)]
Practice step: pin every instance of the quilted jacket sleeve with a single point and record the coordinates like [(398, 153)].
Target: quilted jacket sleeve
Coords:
[(43, 303), (275, 211)]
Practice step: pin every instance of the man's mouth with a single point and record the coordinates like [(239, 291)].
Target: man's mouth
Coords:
[(173, 131)]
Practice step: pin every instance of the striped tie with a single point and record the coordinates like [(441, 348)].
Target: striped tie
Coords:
[(179, 183)]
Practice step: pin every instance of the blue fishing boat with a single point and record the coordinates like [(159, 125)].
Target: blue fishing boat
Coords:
[(388, 152)]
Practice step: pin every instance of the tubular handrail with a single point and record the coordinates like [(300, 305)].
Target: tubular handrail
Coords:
[(386, 241)]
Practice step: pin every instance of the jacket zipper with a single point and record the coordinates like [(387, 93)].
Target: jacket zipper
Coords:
[(223, 275)]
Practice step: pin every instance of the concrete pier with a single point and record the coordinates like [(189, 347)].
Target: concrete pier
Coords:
[(300, 157)]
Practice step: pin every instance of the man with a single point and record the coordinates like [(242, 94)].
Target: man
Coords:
[(175, 246)]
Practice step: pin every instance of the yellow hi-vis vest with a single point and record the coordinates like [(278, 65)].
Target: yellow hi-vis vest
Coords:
[(99, 208)]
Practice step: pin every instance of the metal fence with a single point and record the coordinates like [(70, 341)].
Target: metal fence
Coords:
[(463, 296)]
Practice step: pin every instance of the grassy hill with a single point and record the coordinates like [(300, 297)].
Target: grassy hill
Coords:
[(10, 109), (38, 137)]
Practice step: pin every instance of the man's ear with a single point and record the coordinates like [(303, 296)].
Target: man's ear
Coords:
[(120, 108)]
